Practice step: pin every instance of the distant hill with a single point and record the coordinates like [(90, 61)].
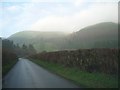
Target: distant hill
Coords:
[(102, 35), (41, 40)]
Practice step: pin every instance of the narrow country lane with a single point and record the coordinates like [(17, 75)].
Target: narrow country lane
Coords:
[(26, 74)]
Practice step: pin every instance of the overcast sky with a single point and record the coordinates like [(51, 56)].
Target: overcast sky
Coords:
[(54, 15)]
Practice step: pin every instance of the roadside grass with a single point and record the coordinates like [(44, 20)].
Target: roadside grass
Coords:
[(81, 78), (6, 68)]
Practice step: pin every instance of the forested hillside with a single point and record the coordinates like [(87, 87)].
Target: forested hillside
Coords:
[(42, 41), (102, 35)]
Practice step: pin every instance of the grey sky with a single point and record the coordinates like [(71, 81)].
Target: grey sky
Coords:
[(54, 15)]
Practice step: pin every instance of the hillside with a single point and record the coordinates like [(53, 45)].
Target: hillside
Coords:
[(41, 40), (102, 35)]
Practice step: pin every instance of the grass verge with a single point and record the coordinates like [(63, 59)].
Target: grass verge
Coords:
[(81, 78), (6, 68)]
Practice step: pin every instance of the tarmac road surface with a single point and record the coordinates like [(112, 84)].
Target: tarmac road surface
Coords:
[(26, 74)]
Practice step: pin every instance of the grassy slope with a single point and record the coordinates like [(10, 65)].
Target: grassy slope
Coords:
[(82, 78)]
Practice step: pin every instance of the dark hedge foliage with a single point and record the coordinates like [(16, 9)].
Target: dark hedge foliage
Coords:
[(9, 57), (91, 60)]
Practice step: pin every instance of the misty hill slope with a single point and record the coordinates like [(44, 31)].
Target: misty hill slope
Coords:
[(41, 40), (103, 30), (102, 35), (34, 34)]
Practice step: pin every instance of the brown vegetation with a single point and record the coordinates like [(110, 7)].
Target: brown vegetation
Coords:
[(91, 60)]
